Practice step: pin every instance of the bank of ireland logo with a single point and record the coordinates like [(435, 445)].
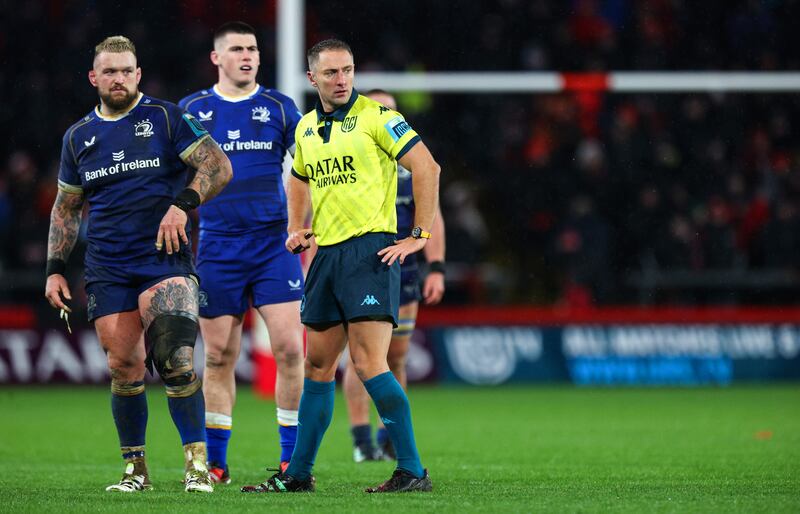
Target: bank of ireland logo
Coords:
[(261, 114), (349, 123), (118, 156), (202, 298), (233, 135), (370, 300), (206, 116), (91, 305), (143, 129)]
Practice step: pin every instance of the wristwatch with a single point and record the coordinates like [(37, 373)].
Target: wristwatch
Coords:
[(418, 233)]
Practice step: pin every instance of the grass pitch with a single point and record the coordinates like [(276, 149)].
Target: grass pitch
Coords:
[(509, 449)]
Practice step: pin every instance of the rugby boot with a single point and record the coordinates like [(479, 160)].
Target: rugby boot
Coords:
[(280, 482), (403, 482), (134, 479), (365, 452), (219, 474)]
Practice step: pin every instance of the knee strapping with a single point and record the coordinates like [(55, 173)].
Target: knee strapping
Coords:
[(171, 337), (120, 388)]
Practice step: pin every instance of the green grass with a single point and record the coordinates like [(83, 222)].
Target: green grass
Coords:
[(510, 449)]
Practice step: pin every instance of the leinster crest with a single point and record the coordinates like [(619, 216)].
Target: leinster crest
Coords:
[(349, 123), (143, 129), (261, 114)]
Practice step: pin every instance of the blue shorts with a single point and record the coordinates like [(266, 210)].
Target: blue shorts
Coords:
[(233, 271), (348, 281), (409, 282), (112, 289)]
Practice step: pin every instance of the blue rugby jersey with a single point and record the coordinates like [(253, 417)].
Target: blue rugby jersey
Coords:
[(405, 211), (255, 131), (130, 169)]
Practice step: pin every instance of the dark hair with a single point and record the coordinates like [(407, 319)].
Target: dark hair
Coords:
[(322, 46), (377, 91), (233, 27)]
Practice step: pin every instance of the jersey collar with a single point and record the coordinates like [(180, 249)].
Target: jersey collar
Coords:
[(237, 98), (339, 114), (120, 115)]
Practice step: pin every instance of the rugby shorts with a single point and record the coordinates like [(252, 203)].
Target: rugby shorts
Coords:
[(347, 281), (235, 271)]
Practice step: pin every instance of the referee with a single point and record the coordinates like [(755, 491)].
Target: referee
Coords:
[(345, 167)]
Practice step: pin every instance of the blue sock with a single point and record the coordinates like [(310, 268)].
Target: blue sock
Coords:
[(383, 436), (395, 412), (188, 414), (288, 436), (362, 435), (130, 416), (217, 445), (218, 433), (314, 416)]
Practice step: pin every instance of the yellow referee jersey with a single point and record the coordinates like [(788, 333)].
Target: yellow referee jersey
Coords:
[(349, 158)]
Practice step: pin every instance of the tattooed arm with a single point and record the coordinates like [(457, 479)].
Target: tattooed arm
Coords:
[(65, 221), (214, 171)]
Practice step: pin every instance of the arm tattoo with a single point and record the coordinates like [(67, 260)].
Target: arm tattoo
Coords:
[(65, 221), (174, 296), (213, 169)]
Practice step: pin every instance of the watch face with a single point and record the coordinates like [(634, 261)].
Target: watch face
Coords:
[(416, 232)]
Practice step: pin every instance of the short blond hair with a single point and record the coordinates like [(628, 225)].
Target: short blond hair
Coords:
[(115, 45)]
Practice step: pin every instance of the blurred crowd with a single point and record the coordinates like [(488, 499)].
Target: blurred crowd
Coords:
[(553, 199)]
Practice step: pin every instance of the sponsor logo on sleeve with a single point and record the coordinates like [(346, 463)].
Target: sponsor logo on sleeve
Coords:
[(397, 127)]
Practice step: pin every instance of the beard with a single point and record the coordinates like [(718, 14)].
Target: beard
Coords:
[(119, 103)]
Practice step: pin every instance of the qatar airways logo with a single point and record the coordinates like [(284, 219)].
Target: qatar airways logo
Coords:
[(121, 167)]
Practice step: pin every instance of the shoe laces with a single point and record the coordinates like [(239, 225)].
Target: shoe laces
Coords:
[(196, 476)]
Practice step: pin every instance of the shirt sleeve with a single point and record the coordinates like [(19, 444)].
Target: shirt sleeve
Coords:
[(292, 119), (69, 179), (187, 133), (298, 166), (393, 133)]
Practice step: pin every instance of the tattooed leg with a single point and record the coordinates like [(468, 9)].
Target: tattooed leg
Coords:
[(169, 313)]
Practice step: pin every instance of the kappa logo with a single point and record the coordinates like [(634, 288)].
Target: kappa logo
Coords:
[(302, 307), (309, 132), (233, 135), (383, 109), (91, 304), (370, 300), (261, 114), (89, 142), (294, 284), (349, 123), (387, 421), (143, 129), (118, 156), (205, 116)]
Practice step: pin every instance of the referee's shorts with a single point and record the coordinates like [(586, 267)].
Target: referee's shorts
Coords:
[(348, 282)]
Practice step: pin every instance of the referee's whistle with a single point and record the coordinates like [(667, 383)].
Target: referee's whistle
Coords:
[(299, 248)]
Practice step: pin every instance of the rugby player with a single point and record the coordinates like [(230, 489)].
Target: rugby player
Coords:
[(241, 257), (345, 167), (127, 159), (410, 295)]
